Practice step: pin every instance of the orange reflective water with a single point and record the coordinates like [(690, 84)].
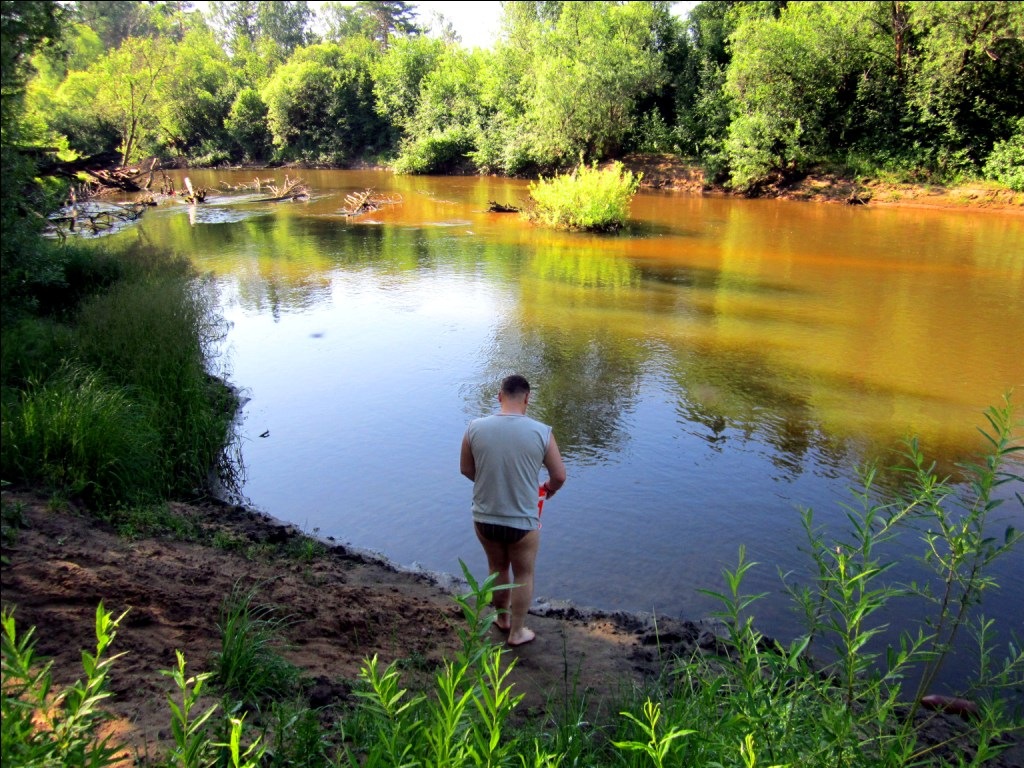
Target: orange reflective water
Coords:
[(709, 370)]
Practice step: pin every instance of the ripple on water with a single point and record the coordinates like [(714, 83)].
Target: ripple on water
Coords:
[(205, 214)]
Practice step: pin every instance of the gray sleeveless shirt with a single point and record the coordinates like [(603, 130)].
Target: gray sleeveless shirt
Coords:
[(508, 451)]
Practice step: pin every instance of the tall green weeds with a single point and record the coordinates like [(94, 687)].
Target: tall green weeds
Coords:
[(249, 667), (587, 198), (116, 405), (462, 724), (156, 337), (43, 727), (83, 436)]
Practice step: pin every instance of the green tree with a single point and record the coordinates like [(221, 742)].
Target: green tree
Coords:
[(114, 21), (588, 64), (74, 113), (193, 98), (398, 75), (786, 80), (247, 124), (382, 22), (246, 22), (967, 87), (25, 29), (130, 80), (696, 76), (444, 130), (321, 106)]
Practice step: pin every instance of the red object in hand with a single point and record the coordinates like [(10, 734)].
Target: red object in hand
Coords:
[(542, 493)]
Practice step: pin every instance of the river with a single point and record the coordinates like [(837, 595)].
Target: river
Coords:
[(710, 371)]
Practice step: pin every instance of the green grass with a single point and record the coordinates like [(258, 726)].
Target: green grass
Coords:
[(586, 199), (78, 433), (106, 395), (249, 667)]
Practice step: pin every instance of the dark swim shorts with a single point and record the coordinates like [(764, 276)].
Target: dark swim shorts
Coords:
[(501, 534)]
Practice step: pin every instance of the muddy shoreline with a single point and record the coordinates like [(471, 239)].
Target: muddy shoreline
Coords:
[(344, 606)]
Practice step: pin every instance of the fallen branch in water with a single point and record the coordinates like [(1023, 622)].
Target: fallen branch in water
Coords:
[(256, 185), (292, 189), (358, 203), (493, 207)]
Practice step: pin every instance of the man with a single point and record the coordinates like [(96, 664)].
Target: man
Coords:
[(502, 454)]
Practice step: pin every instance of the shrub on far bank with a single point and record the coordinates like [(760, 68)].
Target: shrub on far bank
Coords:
[(587, 199), (1005, 164)]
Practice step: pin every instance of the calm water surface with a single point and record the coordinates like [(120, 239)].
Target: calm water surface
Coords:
[(722, 365)]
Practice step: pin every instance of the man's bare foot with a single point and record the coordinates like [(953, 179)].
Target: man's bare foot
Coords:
[(502, 622), (522, 637)]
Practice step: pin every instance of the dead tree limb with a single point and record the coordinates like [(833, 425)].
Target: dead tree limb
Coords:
[(493, 207)]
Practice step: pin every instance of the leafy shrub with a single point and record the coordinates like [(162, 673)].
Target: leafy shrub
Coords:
[(437, 152), (1005, 164), (505, 145), (587, 198), (654, 134)]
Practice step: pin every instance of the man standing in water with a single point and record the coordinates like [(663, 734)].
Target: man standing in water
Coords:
[(502, 454)]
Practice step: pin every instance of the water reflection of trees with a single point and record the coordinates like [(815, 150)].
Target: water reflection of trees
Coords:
[(728, 397), (584, 385), (586, 333)]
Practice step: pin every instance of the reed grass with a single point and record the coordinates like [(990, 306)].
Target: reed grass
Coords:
[(156, 337), (77, 433), (249, 666), (106, 393), (586, 199)]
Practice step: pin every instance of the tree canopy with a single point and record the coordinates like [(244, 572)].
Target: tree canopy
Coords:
[(751, 90)]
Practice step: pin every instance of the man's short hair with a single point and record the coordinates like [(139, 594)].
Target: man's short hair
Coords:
[(515, 385)]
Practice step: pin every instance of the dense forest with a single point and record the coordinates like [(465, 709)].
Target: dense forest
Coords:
[(747, 90)]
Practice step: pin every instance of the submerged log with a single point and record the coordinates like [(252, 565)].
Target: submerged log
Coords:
[(952, 705), (194, 195), (493, 207), (858, 198)]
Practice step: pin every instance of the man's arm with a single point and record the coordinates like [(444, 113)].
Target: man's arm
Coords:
[(555, 467), (467, 464)]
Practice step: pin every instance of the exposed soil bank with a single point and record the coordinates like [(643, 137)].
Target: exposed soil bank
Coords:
[(669, 172), (345, 607)]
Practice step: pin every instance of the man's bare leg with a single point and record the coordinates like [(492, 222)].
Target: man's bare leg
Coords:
[(498, 562), (522, 557)]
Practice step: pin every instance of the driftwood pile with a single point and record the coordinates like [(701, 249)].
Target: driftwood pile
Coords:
[(292, 189), (256, 185), (367, 201), (88, 218)]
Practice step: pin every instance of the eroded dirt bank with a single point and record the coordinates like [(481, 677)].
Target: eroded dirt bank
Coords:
[(344, 608)]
